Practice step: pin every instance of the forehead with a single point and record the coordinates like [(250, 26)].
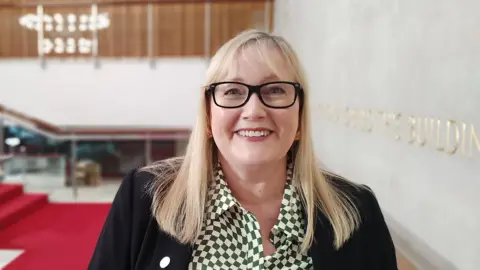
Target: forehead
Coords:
[(256, 64)]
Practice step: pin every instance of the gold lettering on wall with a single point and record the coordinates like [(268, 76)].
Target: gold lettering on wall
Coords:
[(447, 136), (438, 142), (359, 120), (412, 133), (448, 148), (419, 130), (423, 130), (431, 129), (336, 114), (391, 121), (464, 139), (350, 119), (473, 140), (346, 119), (369, 117), (395, 117)]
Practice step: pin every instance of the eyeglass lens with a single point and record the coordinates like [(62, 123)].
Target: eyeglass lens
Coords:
[(274, 95)]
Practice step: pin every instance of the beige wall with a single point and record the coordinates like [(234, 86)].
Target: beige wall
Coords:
[(398, 62)]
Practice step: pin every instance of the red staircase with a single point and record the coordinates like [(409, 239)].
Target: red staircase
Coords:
[(15, 204)]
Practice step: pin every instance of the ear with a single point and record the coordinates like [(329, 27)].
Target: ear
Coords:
[(208, 116), (297, 136)]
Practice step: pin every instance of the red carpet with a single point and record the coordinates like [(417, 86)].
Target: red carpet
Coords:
[(14, 204), (58, 236)]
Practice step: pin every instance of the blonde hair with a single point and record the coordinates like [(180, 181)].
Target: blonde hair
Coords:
[(180, 190)]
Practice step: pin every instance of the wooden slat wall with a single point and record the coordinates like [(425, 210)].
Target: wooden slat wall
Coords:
[(109, 2), (228, 19), (16, 41), (127, 34), (178, 28)]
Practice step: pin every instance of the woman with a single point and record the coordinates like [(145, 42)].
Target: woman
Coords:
[(248, 193)]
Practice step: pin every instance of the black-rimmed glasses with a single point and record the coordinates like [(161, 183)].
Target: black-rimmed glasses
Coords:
[(276, 95)]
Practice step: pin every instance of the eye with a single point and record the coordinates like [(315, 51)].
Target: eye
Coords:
[(275, 90), (232, 91)]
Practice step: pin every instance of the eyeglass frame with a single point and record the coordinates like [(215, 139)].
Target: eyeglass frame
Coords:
[(255, 89)]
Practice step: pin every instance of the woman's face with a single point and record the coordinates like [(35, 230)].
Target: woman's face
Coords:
[(254, 133)]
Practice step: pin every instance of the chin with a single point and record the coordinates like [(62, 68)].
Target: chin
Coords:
[(254, 158)]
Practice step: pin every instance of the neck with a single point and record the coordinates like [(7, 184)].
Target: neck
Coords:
[(255, 184)]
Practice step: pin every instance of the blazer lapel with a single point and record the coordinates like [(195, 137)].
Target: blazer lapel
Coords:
[(161, 251), (178, 255)]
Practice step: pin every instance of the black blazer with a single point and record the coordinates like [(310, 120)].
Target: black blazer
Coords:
[(131, 238)]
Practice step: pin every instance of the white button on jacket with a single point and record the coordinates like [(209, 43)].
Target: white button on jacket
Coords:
[(165, 262)]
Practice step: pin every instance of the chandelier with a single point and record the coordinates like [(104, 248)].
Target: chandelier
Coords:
[(63, 26)]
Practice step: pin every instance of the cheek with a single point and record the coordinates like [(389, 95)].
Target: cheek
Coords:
[(288, 122), (222, 120), (291, 125)]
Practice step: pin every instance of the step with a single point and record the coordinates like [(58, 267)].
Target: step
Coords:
[(9, 191), (19, 207)]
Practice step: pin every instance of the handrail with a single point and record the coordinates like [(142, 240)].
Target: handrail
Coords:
[(87, 133)]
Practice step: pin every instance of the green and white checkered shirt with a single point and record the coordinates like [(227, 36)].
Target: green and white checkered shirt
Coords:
[(230, 237)]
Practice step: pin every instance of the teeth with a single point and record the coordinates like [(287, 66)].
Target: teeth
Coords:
[(251, 133)]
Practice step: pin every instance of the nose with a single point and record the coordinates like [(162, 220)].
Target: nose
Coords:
[(254, 109)]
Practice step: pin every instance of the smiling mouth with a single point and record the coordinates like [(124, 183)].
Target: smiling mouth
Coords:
[(253, 133)]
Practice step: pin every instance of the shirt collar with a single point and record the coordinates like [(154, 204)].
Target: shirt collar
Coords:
[(220, 199)]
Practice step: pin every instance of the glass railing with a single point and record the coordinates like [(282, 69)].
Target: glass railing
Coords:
[(40, 173), (65, 163)]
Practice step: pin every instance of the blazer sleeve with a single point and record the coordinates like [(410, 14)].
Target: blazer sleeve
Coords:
[(381, 249), (113, 247)]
